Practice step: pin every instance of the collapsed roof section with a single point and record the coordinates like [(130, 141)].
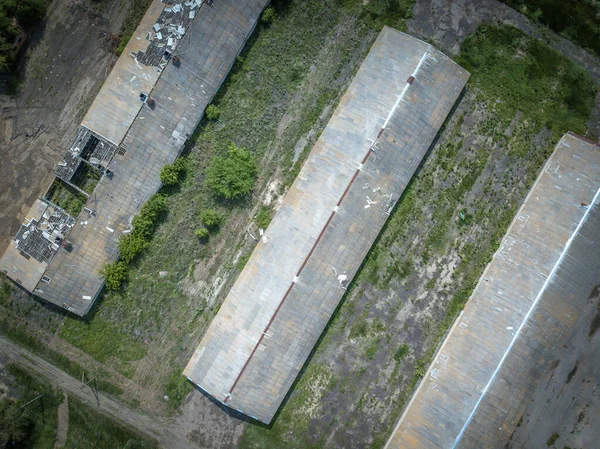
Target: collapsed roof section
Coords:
[(36, 243), (296, 276), (143, 138)]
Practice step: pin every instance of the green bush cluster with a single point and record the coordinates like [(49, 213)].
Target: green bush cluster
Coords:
[(211, 218), (170, 174), (202, 233), (233, 175), (268, 15), (131, 245), (212, 112)]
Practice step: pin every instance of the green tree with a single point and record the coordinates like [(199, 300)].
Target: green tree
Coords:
[(14, 422), (211, 218), (114, 274), (233, 175)]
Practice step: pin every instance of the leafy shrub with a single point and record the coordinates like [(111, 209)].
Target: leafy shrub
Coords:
[(268, 16), (114, 274), (170, 174), (263, 217), (233, 175), (212, 112), (202, 233), (401, 352), (130, 246), (210, 218)]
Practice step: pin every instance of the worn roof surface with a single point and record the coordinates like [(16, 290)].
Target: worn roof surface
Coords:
[(155, 138), (527, 301), (117, 104), (296, 276), (25, 270)]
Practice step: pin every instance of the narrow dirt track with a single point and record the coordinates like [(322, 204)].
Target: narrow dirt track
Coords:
[(153, 428)]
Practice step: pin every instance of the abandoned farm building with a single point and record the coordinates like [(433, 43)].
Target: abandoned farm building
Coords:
[(525, 309), (330, 217), (139, 121)]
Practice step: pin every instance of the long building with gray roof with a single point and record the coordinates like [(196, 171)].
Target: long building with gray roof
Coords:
[(139, 121), (330, 217), (527, 304)]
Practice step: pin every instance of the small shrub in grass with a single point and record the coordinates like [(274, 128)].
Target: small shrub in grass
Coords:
[(263, 217), (202, 233), (401, 352), (211, 218), (212, 112), (233, 175), (114, 274), (170, 174), (268, 16)]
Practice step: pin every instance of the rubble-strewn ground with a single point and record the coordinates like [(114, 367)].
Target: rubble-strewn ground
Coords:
[(65, 65), (418, 274)]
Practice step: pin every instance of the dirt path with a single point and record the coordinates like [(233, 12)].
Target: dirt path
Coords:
[(62, 423), (159, 430), (448, 22)]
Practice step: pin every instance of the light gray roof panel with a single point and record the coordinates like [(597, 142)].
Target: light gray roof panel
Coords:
[(284, 297)]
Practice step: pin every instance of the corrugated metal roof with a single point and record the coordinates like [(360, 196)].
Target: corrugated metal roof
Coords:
[(155, 138), (527, 300), (295, 278)]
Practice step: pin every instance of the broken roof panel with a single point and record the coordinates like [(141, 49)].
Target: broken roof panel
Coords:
[(296, 276), (526, 303), (35, 244), (153, 139)]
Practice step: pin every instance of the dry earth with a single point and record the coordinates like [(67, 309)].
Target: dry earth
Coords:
[(67, 60)]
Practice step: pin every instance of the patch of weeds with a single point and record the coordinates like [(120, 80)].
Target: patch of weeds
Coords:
[(552, 439), (177, 389), (91, 429), (65, 197), (263, 216), (401, 352), (101, 339)]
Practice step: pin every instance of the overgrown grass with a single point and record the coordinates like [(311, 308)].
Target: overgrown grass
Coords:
[(32, 342), (41, 413), (521, 85), (527, 75), (86, 177), (66, 197), (92, 430), (102, 340), (136, 11), (577, 20)]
